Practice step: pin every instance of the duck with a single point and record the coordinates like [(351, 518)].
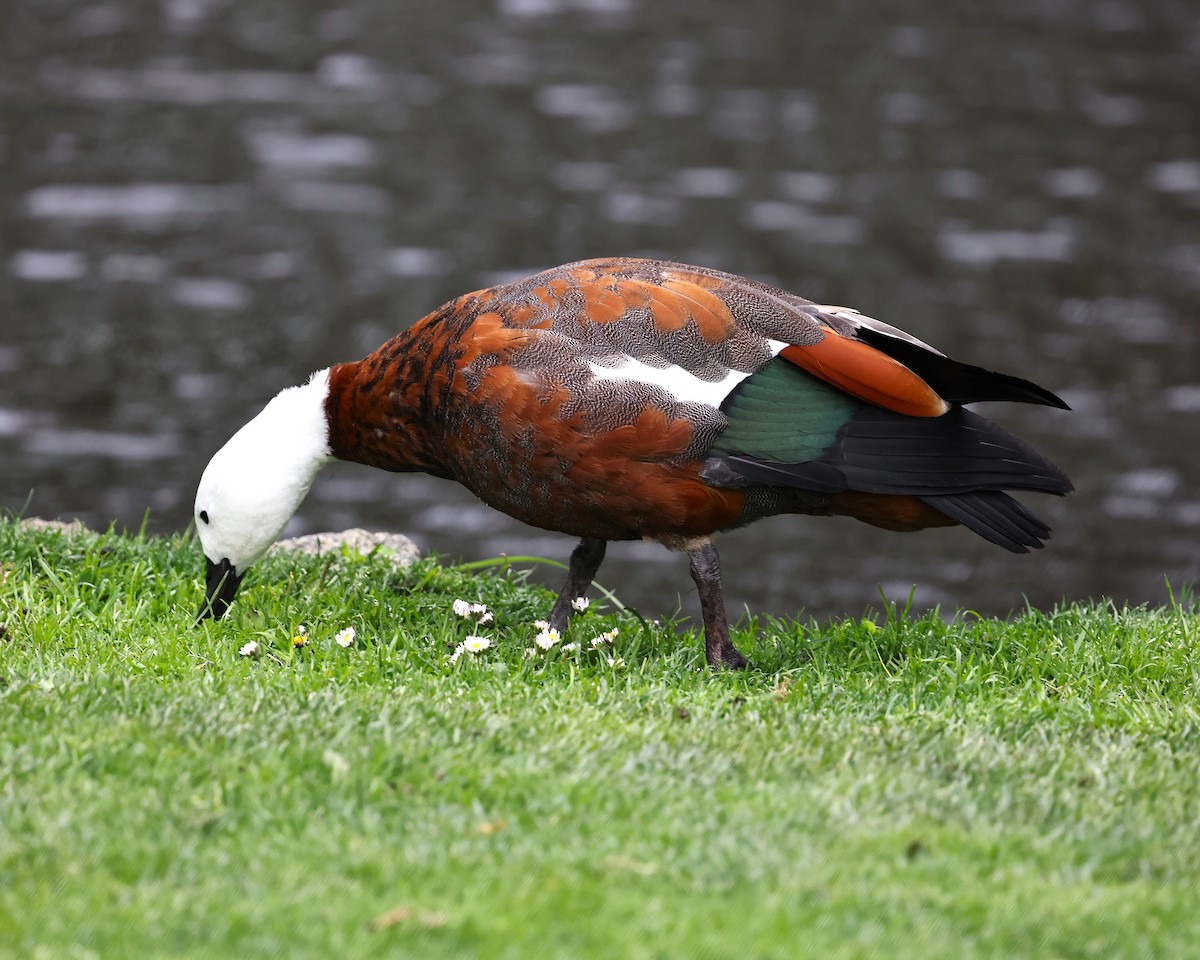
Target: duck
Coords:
[(623, 399)]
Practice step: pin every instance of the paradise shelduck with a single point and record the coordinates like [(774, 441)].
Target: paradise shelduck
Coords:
[(620, 399)]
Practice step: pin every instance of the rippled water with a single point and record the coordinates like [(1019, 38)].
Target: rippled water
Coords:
[(205, 201)]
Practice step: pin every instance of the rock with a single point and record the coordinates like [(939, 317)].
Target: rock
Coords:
[(401, 549), (62, 526)]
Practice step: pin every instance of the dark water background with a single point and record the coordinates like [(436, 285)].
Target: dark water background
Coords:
[(202, 201)]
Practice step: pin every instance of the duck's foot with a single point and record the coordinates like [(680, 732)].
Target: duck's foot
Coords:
[(706, 571), (729, 657)]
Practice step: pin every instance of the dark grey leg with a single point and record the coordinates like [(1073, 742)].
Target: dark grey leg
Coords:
[(585, 561), (706, 571)]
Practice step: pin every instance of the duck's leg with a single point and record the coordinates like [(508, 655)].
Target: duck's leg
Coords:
[(585, 561), (706, 571)]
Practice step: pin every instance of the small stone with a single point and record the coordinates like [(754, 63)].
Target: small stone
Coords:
[(400, 549), (62, 526)]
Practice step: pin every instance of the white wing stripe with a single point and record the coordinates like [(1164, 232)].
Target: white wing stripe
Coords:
[(678, 382)]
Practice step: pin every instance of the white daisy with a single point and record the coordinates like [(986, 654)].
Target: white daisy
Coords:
[(345, 637), (607, 637), (476, 644), (547, 638), (581, 603), (250, 649)]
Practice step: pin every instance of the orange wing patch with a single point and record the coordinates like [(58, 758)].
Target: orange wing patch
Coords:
[(668, 313), (602, 303), (706, 309), (491, 335), (610, 294), (866, 373)]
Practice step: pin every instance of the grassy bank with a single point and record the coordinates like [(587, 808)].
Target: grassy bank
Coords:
[(900, 788)]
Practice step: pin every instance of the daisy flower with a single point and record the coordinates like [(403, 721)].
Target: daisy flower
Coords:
[(547, 638), (581, 603), (300, 636), (250, 649), (607, 637), (570, 647), (476, 644), (477, 610), (345, 637)]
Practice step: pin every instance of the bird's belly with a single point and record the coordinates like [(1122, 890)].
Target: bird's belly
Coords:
[(610, 500)]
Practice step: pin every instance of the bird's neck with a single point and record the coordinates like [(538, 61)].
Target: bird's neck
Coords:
[(291, 431)]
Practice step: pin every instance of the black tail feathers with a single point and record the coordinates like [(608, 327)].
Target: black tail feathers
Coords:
[(996, 517)]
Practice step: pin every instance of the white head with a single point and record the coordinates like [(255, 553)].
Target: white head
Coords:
[(255, 483)]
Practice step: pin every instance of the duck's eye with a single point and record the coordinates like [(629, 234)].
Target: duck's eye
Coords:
[(204, 515)]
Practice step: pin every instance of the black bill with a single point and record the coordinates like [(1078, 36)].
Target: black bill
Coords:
[(221, 584)]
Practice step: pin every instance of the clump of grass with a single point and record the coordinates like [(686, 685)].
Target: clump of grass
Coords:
[(898, 786)]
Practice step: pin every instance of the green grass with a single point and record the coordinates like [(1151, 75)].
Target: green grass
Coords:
[(900, 788)]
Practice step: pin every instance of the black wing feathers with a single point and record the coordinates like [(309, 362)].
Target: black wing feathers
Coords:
[(955, 381), (878, 451), (883, 452)]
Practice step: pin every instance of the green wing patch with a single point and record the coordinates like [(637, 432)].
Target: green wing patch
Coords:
[(782, 413)]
